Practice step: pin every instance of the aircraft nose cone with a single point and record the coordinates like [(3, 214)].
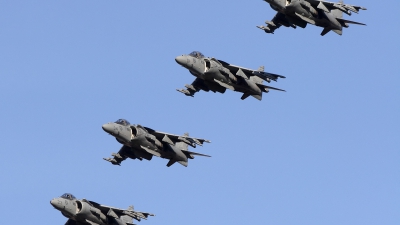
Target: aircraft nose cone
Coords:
[(108, 127), (181, 60), (55, 203)]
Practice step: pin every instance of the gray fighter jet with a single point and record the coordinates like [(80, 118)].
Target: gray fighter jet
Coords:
[(217, 76), (293, 13), (84, 212), (143, 143)]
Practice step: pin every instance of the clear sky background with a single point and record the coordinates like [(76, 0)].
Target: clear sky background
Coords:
[(327, 151)]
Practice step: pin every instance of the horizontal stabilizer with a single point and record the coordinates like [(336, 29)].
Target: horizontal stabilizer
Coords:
[(266, 88), (194, 153), (349, 21)]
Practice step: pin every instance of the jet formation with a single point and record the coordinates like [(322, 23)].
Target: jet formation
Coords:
[(299, 13), (217, 76), (140, 142), (84, 212)]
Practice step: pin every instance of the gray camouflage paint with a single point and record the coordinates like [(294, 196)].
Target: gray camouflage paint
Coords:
[(299, 13), (84, 212), (143, 143), (217, 76)]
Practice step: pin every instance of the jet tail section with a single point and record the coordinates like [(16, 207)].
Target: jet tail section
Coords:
[(338, 32), (172, 161), (258, 97), (183, 163)]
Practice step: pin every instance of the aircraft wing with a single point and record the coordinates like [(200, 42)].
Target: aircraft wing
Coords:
[(247, 73), (120, 156), (116, 212), (278, 20), (328, 6), (196, 86), (173, 138)]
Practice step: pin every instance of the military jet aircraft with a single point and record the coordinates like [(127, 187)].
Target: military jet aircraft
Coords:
[(84, 212), (143, 143), (217, 76), (293, 13)]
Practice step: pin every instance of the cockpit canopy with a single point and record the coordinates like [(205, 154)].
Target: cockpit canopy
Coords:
[(123, 122), (197, 54), (68, 196)]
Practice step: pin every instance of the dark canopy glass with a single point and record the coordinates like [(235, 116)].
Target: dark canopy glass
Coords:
[(122, 122), (68, 196), (197, 54)]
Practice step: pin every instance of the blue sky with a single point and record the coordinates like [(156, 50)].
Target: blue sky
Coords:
[(327, 151)]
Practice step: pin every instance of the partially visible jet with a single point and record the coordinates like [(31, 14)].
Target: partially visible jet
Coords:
[(217, 76), (84, 212), (293, 13), (140, 142)]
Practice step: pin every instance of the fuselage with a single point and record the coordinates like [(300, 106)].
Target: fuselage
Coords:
[(141, 142), (210, 70), (82, 211), (305, 9)]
